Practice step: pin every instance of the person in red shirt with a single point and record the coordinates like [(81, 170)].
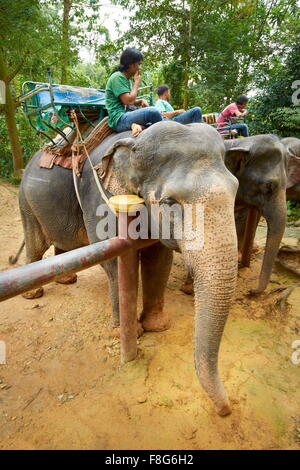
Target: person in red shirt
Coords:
[(236, 109)]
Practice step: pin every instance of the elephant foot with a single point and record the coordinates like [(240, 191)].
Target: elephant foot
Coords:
[(188, 286), (154, 319), (67, 279), (115, 332), (140, 329), (34, 293), (255, 292), (223, 409), (255, 248)]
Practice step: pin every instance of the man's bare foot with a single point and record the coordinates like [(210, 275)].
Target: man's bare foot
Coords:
[(136, 129)]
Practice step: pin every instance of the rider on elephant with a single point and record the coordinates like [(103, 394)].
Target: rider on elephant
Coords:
[(168, 112), (121, 91), (236, 109)]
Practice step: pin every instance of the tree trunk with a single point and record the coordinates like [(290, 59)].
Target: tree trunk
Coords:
[(187, 64), (10, 118), (65, 41), (185, 87)]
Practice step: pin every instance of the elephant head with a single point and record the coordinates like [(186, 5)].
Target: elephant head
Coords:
[(259, 163), (172, 163), (293, 173)]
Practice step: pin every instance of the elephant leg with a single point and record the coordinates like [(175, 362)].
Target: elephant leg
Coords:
[(156, 262), (249, 235), (65, 278), (240, 223), (188, 285), (111, 269), (36, 245)]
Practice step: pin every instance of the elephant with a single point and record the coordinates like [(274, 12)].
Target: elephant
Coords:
[(259, 163), (293, 173), (168, 162)]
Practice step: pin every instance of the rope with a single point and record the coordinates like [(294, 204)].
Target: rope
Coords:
[(77, 147)]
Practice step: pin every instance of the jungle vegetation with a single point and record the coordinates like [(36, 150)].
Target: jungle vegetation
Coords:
[(207, 51)]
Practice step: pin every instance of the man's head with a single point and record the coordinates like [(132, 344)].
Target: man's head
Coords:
[(242, 102), (130, 61), (163, 92)]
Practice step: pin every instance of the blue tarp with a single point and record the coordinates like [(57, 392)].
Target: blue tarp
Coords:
[(73, 95)]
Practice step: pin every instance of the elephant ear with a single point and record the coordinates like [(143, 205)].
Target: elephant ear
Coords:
[(291, 153), (237, 157), (293, 171), (128, 143)]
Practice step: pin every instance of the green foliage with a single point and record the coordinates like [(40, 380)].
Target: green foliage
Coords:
[(272, 110), (28, 36), (173, 74), (216, 49), (207, 51), (29, 141), (286, 121), (293, 210), (5, 156)]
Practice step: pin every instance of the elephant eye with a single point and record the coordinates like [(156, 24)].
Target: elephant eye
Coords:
[(167, 200)]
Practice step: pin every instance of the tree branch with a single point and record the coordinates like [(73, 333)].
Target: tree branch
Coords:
[(12, 75)]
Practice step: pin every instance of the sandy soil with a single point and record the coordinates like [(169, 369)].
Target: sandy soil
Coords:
[(63, 386)]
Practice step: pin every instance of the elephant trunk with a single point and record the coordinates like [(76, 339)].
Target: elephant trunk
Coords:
[(215, 271), (275, 216)]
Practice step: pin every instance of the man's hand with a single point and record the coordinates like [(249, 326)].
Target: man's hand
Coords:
[(170, 114), (142, 103), (137, 78)]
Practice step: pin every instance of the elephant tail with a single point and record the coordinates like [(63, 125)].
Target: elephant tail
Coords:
[(13, 259)]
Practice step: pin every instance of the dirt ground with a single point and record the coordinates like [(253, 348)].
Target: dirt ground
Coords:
[(63, 386)]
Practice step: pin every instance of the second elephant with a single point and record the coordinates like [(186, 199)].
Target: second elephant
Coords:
[(260, 164)]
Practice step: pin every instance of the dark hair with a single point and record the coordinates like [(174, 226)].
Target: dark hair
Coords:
[(242, 99), (161, 89), (129, 56)]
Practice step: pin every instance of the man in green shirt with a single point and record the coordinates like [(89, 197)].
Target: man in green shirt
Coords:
[(168, 112), (121, 91)]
